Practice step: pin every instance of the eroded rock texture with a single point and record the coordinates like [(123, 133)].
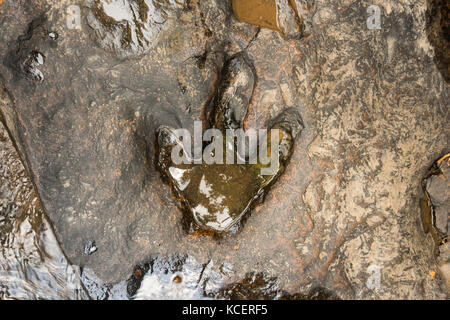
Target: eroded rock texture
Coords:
[(375, 109), (130, 28)]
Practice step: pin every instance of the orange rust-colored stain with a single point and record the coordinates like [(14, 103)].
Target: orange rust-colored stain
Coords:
[(262, 13), (202, 233), (446, 157)]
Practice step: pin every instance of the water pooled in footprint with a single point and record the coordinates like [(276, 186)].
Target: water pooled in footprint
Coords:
[(435, 207), (290, 17), (216, 196), (131, 27)]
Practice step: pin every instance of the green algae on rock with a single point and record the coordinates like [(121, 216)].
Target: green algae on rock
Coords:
[(290, 17), (216, 195)]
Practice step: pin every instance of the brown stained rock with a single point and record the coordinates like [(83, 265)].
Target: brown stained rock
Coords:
[(262, 13), (289, 17), (375, 109)]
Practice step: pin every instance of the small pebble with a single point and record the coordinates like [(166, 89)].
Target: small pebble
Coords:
[(90, 248), (53, 35)]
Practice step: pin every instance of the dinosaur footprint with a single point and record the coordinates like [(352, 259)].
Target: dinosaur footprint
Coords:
[(216, 195)]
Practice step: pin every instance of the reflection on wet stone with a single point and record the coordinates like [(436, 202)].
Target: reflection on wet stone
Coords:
[(182, 277), (32, 265), (175, 277), (257, 286), (216, 195), (131, 28)]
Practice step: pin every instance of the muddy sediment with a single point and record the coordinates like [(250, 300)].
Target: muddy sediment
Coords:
[(289, 17)]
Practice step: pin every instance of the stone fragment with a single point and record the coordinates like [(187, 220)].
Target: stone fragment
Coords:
[(286, 16)]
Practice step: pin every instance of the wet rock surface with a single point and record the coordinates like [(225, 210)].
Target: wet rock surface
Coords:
[(26, 56), (181, 277), (176, 277), (131, 28), (257, 286), (230, 178), (32, 265), (373, 102)]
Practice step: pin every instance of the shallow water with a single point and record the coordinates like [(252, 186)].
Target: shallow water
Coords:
[(218, 193), (32, 265)]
